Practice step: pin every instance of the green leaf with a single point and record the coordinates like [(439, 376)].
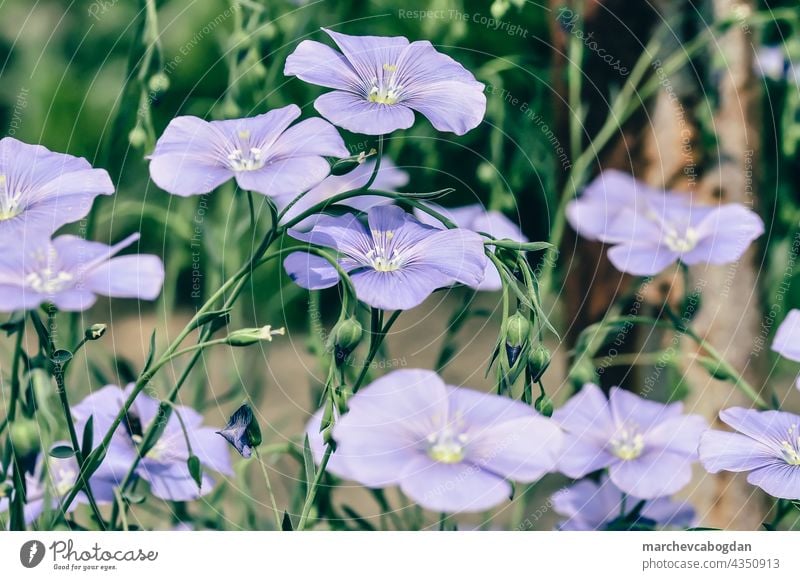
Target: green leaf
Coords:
[(308, 461), (14, 322), (88, 437), (152, 352), (217, 319), (62, 452), (357, 519), (195, 470)]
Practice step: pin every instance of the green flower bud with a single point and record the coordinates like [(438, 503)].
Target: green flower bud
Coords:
[(538, 361), (137, 136), (583, 372), (544, 405), (248, 336), (345, 336), (518, 331), (486, 172), (24, 436), (229, 109), (158, 83), (5, 490), (499, 8), (95, 331)]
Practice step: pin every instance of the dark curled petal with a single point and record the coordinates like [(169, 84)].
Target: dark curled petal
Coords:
[(242, 431), (513, 353)]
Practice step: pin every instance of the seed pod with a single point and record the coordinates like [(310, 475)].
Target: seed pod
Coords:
[(544, 405), (24, 436)]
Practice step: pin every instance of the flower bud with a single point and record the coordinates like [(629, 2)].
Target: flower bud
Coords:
[(248, 336), (538, 361), (345, 336), (242, 431), (5, 490), (158, 83), (24, 436), (137, 136), (582, 373), (518, 331), (544, 405), (95, 331)]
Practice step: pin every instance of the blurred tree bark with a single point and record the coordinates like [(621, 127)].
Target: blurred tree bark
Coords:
[(667, 145)]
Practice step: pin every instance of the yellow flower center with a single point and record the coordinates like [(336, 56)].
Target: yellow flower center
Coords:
[(628, 443), (447, 446)]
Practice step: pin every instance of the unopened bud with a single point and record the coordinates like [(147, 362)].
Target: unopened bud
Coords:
[(544, 405), (95, 331), (518, 331), (158, 83), (5, 490), (24, 436), (345, 336), (538, 361), (582, 373), (248, 336), (137, 136)]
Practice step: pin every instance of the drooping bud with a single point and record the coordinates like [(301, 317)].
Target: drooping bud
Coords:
[(242, 431), (345, 165), (544, 405), (24, 436), (248, 336), (95, 331), (345, 338), (518, 331), (582, 373), (538, 361)]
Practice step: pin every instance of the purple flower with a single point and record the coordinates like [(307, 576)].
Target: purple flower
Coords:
[(650, 229), (380, 81), (194, 156), (395, 263), (165, 465), (449, 449), (476, 218), (589, 505), (389, 178), (771, 63), (787, 339), (767, 445), (60, 477), (40, 190), (647, 447), (70, 272)]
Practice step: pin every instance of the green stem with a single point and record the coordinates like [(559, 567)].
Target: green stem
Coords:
[(274, 503)]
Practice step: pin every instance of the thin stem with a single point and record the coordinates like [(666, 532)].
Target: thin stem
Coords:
[(312, 490), (377, 167), (275, 510)]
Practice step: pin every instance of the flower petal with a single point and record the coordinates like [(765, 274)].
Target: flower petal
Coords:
[(453, 488), (291, 176), (356, 114), (587, 414), (641, 259), (135, 276), (319, 64), (778, 480), (787, 339), (310, 271), (723, 451), (726, 233), (652, 475)]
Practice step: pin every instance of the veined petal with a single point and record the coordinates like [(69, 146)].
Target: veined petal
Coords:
[(453, 488), (723, 451), (310, 137), (310, 271), (368, 54), (652, 475), (778, 480), (356, 114), (136, 276), (289, 176), (642, 259), (787, 339), (319, 64), (725, 233)]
